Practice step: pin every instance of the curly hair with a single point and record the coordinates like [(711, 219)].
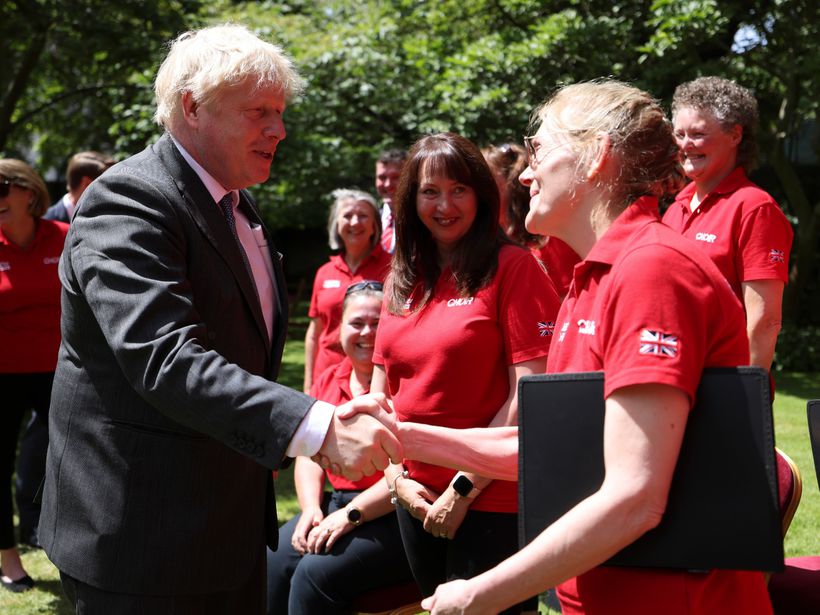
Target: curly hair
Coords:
[(730, 104)]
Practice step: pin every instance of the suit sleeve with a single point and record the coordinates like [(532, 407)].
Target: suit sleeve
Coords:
[(174, 318)]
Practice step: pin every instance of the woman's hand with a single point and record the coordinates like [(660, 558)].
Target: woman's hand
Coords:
[(308, 520), (456, 598), (445, 515), (324, 536), (415, 497)]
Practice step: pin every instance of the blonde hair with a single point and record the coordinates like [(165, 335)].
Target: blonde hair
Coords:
[(21, 174), (345, 195), (205, 62), (640, 136)]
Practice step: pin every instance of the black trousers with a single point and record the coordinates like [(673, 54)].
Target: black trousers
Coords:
[(248, 599), (19, 394), (483, 540)]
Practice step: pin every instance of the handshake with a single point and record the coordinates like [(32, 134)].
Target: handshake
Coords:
[(362, 438)]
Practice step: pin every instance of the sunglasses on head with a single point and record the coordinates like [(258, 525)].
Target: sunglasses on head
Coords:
[(5, 187), (364, 285)]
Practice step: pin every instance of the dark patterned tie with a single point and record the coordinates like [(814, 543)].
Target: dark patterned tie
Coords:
[(226, 205)]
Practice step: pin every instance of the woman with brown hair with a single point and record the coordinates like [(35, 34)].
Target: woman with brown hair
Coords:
[(466, 314), (30, 249)]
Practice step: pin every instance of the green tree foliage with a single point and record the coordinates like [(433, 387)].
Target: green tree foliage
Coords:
[(74, 71)]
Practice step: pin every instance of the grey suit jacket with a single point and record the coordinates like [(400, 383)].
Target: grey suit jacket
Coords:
[(164, 417)]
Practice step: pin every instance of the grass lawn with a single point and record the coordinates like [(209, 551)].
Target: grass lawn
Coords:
[(793, 389)]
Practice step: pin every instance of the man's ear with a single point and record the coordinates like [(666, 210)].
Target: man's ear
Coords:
[(190, 108), (603, 148)]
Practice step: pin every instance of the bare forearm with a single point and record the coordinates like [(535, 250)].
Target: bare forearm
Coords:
[(488, 451), (762, 342), (311, 346)]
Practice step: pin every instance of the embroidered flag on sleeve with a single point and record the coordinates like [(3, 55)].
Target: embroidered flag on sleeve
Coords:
[(656, 342)]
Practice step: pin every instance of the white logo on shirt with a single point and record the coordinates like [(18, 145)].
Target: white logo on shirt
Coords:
[(586, 327), (707, 237), (332, 284), (51, 260), (564, 328), (5, 266), (460, 301)]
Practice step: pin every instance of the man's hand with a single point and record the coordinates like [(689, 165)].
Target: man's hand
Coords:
[(359, 445)]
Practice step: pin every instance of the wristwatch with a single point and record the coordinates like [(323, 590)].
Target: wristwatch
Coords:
[(354, 515), (464, 487)]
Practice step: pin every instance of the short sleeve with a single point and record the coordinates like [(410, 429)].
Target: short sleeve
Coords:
[(764, 244), (527, 307), (655, 325)]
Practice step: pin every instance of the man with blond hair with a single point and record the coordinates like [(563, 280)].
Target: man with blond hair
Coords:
[(166, 419)]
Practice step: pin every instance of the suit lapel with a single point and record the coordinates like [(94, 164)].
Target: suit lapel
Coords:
[(209, 219)]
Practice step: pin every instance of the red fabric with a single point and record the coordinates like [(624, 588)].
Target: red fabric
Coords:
[(329, 285), (30, 301), (740, 227), (558, 259), (333, 386), (642, 276), (447, 364)]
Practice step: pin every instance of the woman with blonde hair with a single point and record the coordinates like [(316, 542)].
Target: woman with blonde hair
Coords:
[(602, 155), (354, 232)]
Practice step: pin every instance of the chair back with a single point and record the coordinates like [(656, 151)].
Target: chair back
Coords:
[(789, 487)]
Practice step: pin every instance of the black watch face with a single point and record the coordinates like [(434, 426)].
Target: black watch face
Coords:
[(354, 515), (463, 486)]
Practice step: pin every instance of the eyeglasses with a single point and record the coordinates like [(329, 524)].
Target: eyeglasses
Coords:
[(364, 285), (533, 160), (5, 187)]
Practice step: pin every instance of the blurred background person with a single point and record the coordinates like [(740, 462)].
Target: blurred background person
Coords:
[(466, 314), (602, 155), (354, 230), (30, 249), (507, 162), (346, 542), (83, 168), (388, 170), (739, 225)]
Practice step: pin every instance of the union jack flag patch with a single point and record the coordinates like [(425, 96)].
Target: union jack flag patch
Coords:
[(655, 342), (777, 256), (546, 328)]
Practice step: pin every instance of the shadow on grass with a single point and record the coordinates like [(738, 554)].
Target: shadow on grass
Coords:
[(805, 385)]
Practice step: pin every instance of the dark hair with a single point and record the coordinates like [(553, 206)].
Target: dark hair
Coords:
[(509, 161), (392, 156), (475, 258), (730, 104), (86, 164)]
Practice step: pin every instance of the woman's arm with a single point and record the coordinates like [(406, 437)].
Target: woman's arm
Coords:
[(448, 511), (763, 300), (309, 479), (311, 348), (643, 431)]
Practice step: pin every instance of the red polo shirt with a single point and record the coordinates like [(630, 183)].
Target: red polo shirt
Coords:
[(30, 301), (646, 307), (447, 363), (739, 226), (332, 279), (333, 386), (558, 259)]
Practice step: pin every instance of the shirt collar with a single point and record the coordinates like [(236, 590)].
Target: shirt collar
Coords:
[(636, 215), (734, 180), (216, 190)]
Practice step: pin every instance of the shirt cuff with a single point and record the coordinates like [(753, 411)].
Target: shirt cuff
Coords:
[(311, 432)]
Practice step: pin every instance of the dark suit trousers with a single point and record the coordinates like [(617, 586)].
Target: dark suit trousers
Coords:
[(249, 599)]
